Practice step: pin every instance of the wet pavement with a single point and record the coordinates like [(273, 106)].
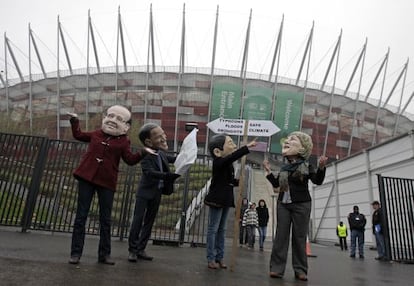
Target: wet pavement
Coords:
[(41, 258)]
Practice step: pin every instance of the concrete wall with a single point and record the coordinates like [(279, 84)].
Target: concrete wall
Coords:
[(353, 181)]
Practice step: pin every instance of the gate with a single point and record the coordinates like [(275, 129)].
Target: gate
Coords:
[(39, 192), (397, 201)]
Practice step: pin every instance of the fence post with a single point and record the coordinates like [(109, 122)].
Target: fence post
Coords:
[(35, 184), (126, 202)]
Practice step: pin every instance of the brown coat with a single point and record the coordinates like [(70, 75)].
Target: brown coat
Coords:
[(99, 165)]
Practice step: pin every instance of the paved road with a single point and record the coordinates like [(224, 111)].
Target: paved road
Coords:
[(37, 258)]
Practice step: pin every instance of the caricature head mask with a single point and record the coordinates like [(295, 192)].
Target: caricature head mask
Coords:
[(306, 145), (117, 121)]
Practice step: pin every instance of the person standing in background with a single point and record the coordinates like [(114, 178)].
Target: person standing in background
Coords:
[(342, 233), (378, 230), (243, 238), (251, 222), (357, 222), (263, 215)]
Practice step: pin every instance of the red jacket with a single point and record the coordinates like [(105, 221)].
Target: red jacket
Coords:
[(99, 165)]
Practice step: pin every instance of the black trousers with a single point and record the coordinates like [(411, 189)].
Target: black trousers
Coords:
[(144, 216), (342, 243), (86, 192), (295, 217)]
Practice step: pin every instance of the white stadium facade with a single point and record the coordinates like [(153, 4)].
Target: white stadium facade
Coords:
[(340, 122)]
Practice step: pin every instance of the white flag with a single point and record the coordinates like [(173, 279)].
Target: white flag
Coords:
[(188, 153)]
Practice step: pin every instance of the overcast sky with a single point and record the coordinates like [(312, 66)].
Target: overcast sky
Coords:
[(385, 23)]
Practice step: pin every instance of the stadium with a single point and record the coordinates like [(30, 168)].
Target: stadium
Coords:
[(341, 122)]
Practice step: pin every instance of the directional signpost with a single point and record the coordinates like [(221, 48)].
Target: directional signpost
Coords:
[(257, 128), (241, 127)]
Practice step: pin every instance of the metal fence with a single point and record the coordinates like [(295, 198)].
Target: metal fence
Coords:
[(397, 201), (39, 192)]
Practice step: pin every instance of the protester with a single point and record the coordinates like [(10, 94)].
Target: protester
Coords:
[(98, 173), (156, 179), (220, 197), (294, 203)]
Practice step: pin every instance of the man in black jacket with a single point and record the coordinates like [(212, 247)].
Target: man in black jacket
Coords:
[(377, 229), (357, 222), (156, 179)]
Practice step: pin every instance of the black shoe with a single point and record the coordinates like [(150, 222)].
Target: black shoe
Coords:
[(275, 275), (74, 260), (106, 260), (301, 276), (352, 256), (143, 255), (361, 257), (132, 257)]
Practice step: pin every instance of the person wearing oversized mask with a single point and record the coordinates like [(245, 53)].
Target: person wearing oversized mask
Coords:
[(294, 203), (98, 173)]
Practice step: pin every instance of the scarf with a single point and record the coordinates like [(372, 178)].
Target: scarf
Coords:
[(299, 169)]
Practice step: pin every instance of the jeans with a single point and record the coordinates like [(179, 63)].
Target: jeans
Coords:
[(242, 234), (216, 231), (86, 191), (251, 232), (262, 235), (357, 235), (379, 238)]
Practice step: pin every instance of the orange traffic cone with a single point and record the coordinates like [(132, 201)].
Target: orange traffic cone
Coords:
[(308, 248)]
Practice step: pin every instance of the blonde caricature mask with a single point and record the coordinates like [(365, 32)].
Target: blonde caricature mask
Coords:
[(297, 144), (116, 121)]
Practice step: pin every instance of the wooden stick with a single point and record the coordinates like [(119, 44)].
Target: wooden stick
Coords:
[(239, 202)]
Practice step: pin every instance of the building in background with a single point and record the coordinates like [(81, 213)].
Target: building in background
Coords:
[(340, 122)]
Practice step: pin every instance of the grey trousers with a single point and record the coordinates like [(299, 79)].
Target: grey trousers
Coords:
[(293, 216)]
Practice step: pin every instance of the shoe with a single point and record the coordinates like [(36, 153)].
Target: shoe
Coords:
[(275, 275), (261, 248), (143, 255), (74, 260), (301, 276), (352, 256), (132, 257), (379, 258), (361, 257), (221, 264), (212, 265), (106, 260)]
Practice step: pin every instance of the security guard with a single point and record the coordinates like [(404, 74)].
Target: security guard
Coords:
[(342, 233)]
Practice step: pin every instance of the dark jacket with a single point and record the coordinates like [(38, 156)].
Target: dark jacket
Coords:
[(377, 220), (149, 184), (221, 188), (263, 214), (299, 187), (243, 208), (357, 221), (99, 165)]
